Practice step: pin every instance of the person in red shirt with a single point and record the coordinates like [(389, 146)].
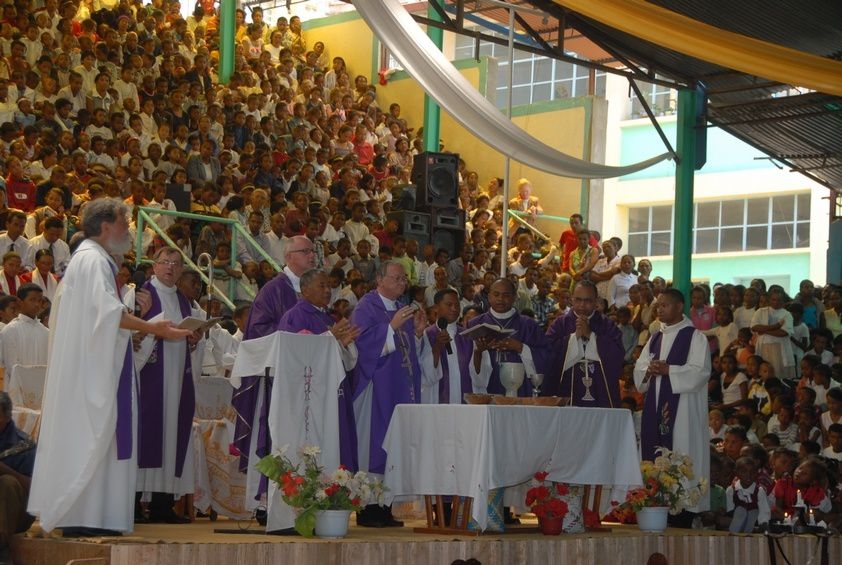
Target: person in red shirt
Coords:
[(20, 191), (568, 241)]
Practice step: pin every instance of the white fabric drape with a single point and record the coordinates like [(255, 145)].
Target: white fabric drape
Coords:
[(443, 82)]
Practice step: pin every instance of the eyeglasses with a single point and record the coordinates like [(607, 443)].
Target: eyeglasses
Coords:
[(304, 251), (398, 278), (171, 263)]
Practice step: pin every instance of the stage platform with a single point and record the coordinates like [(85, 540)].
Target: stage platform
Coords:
[(198, 544)]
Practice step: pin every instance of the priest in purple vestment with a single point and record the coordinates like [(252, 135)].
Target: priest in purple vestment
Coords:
[(310, 316), (387, 371), (251, 399), (672, 372), (446, 371), (586, 350), (526, 345)]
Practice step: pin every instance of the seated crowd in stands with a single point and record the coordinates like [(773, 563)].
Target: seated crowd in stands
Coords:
[(125, 103)]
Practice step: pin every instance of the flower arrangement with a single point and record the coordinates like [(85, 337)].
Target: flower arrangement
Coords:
[(306, 487), (668, 481), (544, 498)]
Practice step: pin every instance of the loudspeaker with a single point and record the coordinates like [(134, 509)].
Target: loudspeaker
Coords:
[(412, 225), (435, 176), (404, 197), (448, 228)]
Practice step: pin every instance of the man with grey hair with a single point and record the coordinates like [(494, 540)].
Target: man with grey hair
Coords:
[(17, 458), (85, 472), (251, 433)]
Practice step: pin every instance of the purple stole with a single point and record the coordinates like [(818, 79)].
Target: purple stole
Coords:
[(464, 354), (150, 399), (124, 395), (306, 317), (659, 416)]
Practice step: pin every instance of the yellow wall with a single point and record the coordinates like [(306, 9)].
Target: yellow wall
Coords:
[(561, 124)]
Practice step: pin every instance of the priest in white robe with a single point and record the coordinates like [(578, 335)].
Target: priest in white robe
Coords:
[(166, 396), (673, 372), (84, 478), (446, 356), (24, 340)]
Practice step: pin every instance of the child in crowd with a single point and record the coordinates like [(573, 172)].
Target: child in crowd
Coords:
[(734, 383), (725, 331), (716, 424), (800, 337), (746, 498), (629, 335), (833, 414), (784, 427), (834, 440)]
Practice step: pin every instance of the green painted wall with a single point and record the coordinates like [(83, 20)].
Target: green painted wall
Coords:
[(786, 269), (725, 152)]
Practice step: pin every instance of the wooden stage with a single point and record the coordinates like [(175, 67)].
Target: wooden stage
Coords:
[(198, 544)]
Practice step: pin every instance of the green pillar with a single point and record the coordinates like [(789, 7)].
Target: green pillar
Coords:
[(682, 246), (432, 112), (227, 12)]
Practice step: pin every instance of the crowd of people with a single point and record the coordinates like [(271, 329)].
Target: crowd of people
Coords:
[(119, 100)]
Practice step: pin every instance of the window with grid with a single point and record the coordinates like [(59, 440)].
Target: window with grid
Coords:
[(661, 99), (534, 78), (749, 224)]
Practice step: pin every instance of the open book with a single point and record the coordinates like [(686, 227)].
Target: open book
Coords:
[(487, 330), (197, 324)]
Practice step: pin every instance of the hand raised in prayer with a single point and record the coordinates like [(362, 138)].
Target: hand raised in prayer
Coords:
[(419, 321), (143, 298), (344, 332), (507, 344), (583, 327), (402, 315), (658, 369), (165, 329)]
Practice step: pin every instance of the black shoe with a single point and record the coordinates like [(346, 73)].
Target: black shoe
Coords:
[(168, 518), (260, 516), (88, 532), (372, 516), (283, 532), (5, 555), (390, 521), (508, 518)]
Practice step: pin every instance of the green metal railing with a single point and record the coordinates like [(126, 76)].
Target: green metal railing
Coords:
[(144, 216)]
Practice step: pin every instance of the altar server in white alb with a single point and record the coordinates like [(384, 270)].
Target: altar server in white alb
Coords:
[(24, 340), (85, 469), (167, 397), (672, 372)]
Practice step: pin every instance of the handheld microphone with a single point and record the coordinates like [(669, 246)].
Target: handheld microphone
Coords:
[(442, 325), (139, 279)]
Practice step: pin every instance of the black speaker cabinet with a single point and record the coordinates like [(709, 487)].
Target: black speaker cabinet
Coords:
[(435, 176), (448, 229), (412, 225)]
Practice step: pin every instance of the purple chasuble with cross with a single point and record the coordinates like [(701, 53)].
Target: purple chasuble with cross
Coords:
[(464, 353), (605, 373), (274, 299), (304, 317), (528, 332), (659, 414), (151, 398), (395, 377)]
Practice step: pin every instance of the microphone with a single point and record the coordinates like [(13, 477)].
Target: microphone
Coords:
[(139, 279), (442, 324)]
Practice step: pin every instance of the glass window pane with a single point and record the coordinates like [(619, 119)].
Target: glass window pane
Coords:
[(803, 206), (541, 92), (543, 69), (563, 89), (661, 243), (732, 212), (520, 55), (520, 95), (758, 211), (581, 87), (486, 49), (756, 237), (638, 244), (731, 239), (802, 234), (708, 215), (638, 219), (707, 241), (563, 70), (661, 218), (782, 236), (523, 73), (783, 208), (600, 85)]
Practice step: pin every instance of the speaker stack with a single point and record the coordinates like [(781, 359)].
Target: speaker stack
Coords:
[(436, 204)]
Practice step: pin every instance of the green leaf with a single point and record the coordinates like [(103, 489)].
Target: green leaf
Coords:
[(305, 522), (270, 466)]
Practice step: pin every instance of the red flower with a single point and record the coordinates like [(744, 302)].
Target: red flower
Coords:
[(541, 475), (562, 489), (356, 501), (332, 489), (342, 467), (652, 486), (591, 518)]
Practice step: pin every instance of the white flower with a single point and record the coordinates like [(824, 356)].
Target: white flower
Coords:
[(280, 452), (310, 450), (320, 494), (340, 477), (662, 463)]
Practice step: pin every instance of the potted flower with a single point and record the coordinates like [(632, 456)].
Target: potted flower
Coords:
[(323, 502), (669, 486), (544, 500)]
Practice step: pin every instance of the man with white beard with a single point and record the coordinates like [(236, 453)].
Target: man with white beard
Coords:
[(85, 470), (167, 397)]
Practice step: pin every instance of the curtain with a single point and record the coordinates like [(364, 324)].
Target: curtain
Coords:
[(708, 43), (446, 85)]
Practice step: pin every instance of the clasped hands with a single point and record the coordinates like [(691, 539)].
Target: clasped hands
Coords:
[(500, 344), (344, 332), (419, 319)]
